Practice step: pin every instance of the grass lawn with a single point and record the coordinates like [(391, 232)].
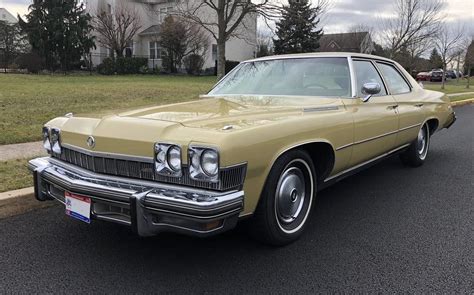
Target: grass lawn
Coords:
[(14, 174), (461, 97), (451, 86), (28, 101)]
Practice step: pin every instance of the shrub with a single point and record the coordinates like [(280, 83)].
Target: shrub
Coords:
[(122, 65), (193, 64), (107, 67), (30, 61)]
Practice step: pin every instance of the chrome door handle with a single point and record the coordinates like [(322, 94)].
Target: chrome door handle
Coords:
[(392, 107), (419, 105)]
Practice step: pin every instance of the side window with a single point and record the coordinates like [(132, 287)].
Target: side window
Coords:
[(365, 73), (395, 81)]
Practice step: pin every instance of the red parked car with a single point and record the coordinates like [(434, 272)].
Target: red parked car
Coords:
[(423, 76)]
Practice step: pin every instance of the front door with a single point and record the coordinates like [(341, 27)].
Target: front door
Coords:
[(375, 121)]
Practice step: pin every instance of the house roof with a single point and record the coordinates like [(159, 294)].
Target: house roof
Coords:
[(152, 30), (5, 15), (350, 42)]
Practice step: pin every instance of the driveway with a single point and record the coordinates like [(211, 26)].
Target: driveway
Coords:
[(387, 229)]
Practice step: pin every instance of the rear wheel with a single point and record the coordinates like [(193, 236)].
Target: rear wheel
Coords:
[(417, 152), (286, 200)]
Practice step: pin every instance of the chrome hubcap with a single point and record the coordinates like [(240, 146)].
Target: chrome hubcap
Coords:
[(422, 143), (291, 193)]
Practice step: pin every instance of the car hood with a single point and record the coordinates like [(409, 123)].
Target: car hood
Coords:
[(236, 112)]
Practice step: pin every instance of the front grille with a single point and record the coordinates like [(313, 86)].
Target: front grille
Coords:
[(229, 178)]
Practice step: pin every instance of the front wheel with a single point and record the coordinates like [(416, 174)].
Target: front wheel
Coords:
[(416, 153), (286, 199)]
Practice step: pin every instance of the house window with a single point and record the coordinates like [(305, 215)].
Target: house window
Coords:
[(214, 52), (154, 50), (129, 49), (164, 12)]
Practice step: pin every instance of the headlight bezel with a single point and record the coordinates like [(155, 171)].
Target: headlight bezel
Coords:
[(195, 161), (55, 140), (46, 133), (162, 164)]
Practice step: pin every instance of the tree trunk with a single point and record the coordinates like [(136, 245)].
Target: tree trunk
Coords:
[(468, 75), (221, 39), (457, 68), (220, 59), (443, 77)]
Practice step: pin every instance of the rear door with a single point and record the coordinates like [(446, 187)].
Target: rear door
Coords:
[(375, 121), (410, 109)]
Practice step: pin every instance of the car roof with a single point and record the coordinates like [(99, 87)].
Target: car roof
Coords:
[(320, 54)]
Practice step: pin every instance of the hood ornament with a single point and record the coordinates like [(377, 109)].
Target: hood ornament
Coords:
[(91, 142)]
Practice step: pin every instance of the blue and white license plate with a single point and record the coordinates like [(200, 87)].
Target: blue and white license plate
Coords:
[(78, 206)]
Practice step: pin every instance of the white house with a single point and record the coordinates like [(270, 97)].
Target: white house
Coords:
[(7, 16), (146, 41)]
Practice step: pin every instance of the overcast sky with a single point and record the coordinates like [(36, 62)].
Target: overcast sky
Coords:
[(342, 14)]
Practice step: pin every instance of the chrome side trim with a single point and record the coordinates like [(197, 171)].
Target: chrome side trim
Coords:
[(410, 127), (366, 162), (375, 137), (344, 146), (366, 140), (110, 155), (320, 109)]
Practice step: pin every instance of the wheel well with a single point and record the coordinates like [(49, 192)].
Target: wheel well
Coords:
[(323, 158), (433, 125)]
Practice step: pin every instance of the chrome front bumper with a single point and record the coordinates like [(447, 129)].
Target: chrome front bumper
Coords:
[(148, 207)]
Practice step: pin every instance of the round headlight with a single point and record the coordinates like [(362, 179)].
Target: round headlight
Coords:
[(210, 162), (174, 158)]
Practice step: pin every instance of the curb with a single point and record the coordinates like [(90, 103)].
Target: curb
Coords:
[(20, 201), (462, 102)]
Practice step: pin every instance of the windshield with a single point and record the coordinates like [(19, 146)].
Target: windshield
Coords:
[(322, 76)]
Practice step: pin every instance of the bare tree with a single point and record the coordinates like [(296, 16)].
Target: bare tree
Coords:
[(416, 21), (469, 59), (447, 42), (228, 18), (117, 28), (180, 38)]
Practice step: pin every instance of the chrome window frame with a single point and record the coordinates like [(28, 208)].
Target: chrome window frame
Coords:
[(371, 61)]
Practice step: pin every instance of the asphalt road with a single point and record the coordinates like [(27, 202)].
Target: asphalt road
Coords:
[(389, 228)]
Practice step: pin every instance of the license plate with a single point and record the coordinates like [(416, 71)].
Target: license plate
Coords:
[(78, 206)]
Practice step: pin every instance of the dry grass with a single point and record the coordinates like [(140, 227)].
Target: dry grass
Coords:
[(14, 174), (28, 101)]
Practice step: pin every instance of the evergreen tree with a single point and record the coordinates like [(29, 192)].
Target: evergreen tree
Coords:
[(58, 31), (296, 31), (436, 62)]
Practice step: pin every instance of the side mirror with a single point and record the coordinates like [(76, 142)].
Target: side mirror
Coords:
[(370, 89)]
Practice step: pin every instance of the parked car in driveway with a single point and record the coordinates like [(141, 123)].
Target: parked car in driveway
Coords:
[(452, 74), (423, 76), (436, 76), (260, 145)]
